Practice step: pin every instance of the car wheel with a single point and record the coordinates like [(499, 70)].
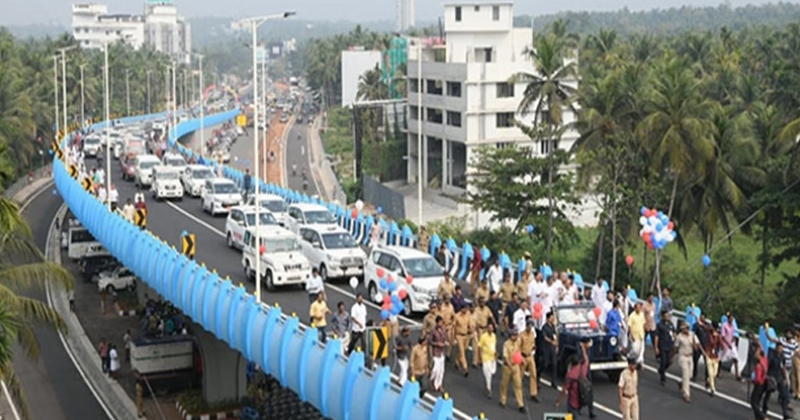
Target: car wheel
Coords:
[(229, 239), (247, 271), (407, 309), (269, 282), (373, 292), (323, 272), (132, 286)]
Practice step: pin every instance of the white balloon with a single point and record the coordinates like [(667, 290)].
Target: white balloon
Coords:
[(643, 221), (354, 282), (379, 297), (359, 205)]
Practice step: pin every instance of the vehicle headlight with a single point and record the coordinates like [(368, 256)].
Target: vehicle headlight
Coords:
[(613, 341)]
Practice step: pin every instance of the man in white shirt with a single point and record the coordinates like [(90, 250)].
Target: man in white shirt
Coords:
[(113, 196), (358, 318), (128, 211), (570, 292), (522, 314), (495, 276), (598, 293), (537, 292), (314, 285), (101, 194), (608, 305)]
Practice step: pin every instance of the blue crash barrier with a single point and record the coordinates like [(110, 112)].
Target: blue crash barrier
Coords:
[(339, 387)]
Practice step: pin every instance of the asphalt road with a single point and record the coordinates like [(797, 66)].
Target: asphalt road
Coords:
[(169, 219), (54, 388)]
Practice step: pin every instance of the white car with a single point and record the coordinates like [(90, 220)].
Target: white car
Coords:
[(144, 169), (301, 214), (133, 146), (174, 160), (118, 279), (220, 155), (92, 145), (219, 195), (333, 251), (400, 262), (282, 260), (194, 177), (166, 183), (242, 217), (274, 203)]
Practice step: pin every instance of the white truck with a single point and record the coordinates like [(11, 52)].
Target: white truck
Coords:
[(166, 183), (167, 362), (282, 260), (81, 243)]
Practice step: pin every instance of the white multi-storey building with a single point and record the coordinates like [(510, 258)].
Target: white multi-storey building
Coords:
[(467, 100), (160, 27), (405, 15)]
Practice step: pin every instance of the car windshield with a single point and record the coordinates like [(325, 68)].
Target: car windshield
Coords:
[(265, 219), (176, 162), (202, 174), (319, 217), (280, 244), (573, 315), (148, 164), (339, 240), (275, 206), (225, 188), (168, 175), (91, 140), (423, 267)]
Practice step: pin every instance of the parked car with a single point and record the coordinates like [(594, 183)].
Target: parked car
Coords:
[(91, 266), (219, 195), (333, 251), (242, 217), (401, 262), (120, 278), (194, 178)]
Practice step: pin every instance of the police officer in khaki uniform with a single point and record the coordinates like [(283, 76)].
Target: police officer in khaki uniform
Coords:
[(420, 370), (482, 317), (507, 290), (428, 324), (463, 333), (527, 345), (447, 288), (522, 285), (511, 372), (424, 240), (448, 314), (482, 291), (629, 391)]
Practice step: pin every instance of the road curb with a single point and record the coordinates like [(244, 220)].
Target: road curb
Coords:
[(113, 397), (222, 415)]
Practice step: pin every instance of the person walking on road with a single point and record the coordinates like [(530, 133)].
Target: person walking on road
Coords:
[(636, 329), (550, 354), (629, 390), (358, 322), (341, 325), (314, 285), (126, 341), (462, 335), (487, 349), (319, 310), (103, 350), (139, 398), (403, 348), (663, 344), (685, 345), (419, 364), (578, 368), (511, 371), (776, 381), (247, 182), (438, 344), (759, 384), (113, 361), (527, 345), (712, 351)]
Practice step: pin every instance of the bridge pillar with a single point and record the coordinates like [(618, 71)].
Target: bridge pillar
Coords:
[(224, 369)]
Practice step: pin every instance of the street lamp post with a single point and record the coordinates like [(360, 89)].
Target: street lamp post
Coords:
[(63, 52), (174, 102), (419, 132), (83, 107), (148, 92), (202, 110), (107, 126), (55, 94), (128, 91), (254, 24)]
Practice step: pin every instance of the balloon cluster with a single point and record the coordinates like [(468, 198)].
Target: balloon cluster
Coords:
[(657, 230), (395, 294), (594, 316)]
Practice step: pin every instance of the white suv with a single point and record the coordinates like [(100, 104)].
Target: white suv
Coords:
[(174, 160), (241, 218), (144, 169), (333, 251), (400, 262), (301, 214), (194, 177), (274, 203), (166, 183), (219, 195), (92, 145), (119, 279), (282, 262)]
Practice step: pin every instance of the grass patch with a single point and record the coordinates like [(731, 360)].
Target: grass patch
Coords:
[(194, 404)]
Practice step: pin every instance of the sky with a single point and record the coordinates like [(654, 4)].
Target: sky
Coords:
[(59, 11)]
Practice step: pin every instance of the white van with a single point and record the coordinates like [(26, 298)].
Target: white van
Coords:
[(81, 243), (282, 262), (167, 183)]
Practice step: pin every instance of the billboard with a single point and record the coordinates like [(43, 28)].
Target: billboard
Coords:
[(354, 64)]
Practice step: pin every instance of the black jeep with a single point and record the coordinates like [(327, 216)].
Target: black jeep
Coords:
[(573, 325)]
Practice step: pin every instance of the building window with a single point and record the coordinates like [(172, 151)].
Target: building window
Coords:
[(458, 13), (454, 89), (413, 112), (495, 13), (505, 119), (412, 85), (547, 146), (454, 119), (502, 144), (505, 90), (435, 115), (434, 87), (477, 8)]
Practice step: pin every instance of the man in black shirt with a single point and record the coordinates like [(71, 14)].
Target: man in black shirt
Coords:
[(508, 315), (701, 330), (665, 341), (403, 350), (777, 372), (550, 351), (495, 303)]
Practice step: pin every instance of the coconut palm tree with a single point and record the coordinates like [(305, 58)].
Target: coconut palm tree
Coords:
[(22, 267)]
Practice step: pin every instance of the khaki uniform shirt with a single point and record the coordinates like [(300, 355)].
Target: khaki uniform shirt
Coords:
[(483, 315), (522, 290), (447, 312), (527, 342), (419, 360), (685, 344), (462, 323), (482, 292), (629, 383), (428, 323), (424, 242), (506, 290), (446, 289), (509, 348)]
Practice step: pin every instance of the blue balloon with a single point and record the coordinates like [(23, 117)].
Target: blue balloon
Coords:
[(380, 209), (530, 228), (660, 215), (385, 314), (50, 152), (395, 310), (659, 227), (643, 210), (55, 192), (383, 283), (184, 233), (400, 306), (392, 286), (395, 299), (706, 260)]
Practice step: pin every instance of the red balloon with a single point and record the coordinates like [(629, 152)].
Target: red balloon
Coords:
[(597, 311), (593, 324), (389, 279), (387, 306), (650, 245), (516, 358), (379, 271), (387, 300), (409, 279), (629, 260), (402, 293), (670, 225), (262, 249), (537, 307), (354, 214), (537, 314)]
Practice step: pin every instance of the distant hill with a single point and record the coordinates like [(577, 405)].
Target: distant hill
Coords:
[(37, 30), (672, 20)]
